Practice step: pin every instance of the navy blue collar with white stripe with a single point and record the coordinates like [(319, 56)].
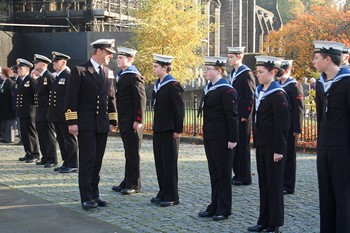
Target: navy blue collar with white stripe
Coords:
[(130, 70), (234, 74), (220, 83), (159, 84), (289, 81), (343, 73)]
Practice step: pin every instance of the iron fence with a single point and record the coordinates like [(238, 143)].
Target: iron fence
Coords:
[(193, 124)]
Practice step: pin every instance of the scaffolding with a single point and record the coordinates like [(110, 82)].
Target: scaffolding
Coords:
[(78, 15)]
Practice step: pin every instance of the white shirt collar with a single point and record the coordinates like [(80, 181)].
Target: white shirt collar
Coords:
[(42, 73), (96, 65)]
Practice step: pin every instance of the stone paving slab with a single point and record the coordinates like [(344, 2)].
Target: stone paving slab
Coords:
[(136, 213)]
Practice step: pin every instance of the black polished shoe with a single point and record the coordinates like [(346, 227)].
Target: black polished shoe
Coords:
[(271, 229), (239, 183), (67, 169), (49, 165), (129, 191), (205, 214), (56, 169), (168, 203), (24, 158), (101, 203), (117, 188), (285, 192), (156, 200), (219, 217), (256, 228), (87, 205), (40, 163), (32, 160)]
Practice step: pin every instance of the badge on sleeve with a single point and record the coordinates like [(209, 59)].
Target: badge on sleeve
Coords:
[(110, 74)]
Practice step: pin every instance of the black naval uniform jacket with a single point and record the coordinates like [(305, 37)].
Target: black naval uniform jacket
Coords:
[(7, 112), (294, 91), (244, 84), (90, 101), (131, 100), (333, 113), (220, 118), (168, 108), (272, 122), (57, 97), (41, 99), (25, 97)]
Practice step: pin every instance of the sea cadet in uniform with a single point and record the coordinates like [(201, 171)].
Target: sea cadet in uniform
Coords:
[(131, 106), (169, 112), (46, 129), (333, 141), (25, 110), (90, 115), (272, 125), (242, 79), (220, 133), (66, 141), (296, 112)]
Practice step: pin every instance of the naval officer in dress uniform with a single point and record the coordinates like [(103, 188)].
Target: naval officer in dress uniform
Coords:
[(90, 115), (169, 114), (294, 91), (242, 79), (220, 133), (333, 141), (66, 141), (272, 124), (131, 106), (46, 129), (25, 109)]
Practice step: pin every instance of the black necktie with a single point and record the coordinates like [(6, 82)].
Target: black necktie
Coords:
[(101, 73)]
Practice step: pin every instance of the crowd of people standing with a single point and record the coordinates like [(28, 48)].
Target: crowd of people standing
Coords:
[(77, 108)]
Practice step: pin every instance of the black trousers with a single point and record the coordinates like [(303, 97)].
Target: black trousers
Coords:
[(92, 147), (68, 145), (220, 169), (29, 137), (290, 164), (241, 158), (47, 141), (166, 152), (132, 144), (270, 187), (333, 170)]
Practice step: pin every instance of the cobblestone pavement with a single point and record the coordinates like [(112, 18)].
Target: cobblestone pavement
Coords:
[(135, 213)]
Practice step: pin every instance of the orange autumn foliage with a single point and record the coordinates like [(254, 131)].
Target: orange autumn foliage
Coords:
[(295, 39)]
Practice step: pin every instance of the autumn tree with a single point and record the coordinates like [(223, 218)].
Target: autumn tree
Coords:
[(295, 39), (290, 9), (170, 27)]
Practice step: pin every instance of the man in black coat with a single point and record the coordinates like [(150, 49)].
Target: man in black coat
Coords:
[(25, 109), (169, 112), (242, 79), (333, 142), (66, 141), (131, 106), (294, 92), (90, 115), (46, 130)]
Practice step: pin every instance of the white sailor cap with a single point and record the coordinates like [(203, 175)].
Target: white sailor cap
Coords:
[(107, 44), (126, 51), (346, 51), (235, 50), (59, 56), (23, 62), (268, 61), (285, 64), (162, 59), (41, 58), (329, 47), (215, 61)]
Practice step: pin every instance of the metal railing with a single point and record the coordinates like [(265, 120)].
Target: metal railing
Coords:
[(193, 124)]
